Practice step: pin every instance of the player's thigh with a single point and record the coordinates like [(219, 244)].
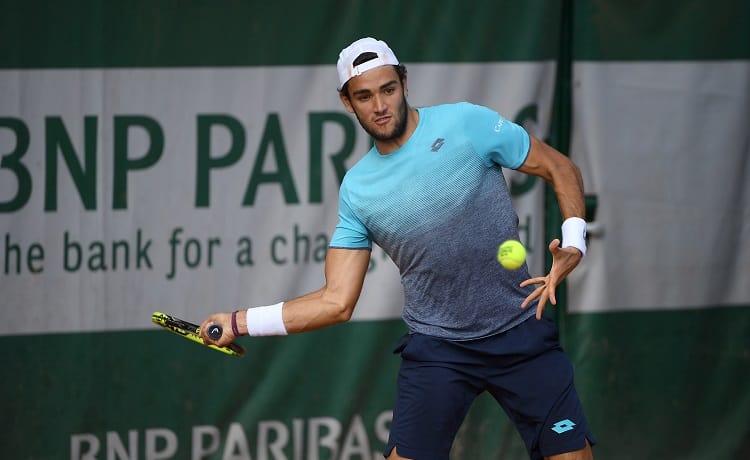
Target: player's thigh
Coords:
[(541, 400), (431, 404)]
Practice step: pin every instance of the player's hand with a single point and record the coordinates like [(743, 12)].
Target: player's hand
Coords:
[(225, 321), (564, 260)]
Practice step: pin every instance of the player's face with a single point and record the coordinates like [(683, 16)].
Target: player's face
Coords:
[(378, 101)]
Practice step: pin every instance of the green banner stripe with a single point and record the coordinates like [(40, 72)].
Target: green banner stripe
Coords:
[(65, 384), (169, 33), (664, 30), (637, 374), (666, 375)]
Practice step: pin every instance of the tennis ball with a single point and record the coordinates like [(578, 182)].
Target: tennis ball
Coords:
[(511, 254)]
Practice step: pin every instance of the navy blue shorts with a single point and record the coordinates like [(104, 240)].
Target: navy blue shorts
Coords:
[(524, 369)]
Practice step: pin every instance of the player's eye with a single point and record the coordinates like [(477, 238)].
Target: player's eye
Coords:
[(390, 90)]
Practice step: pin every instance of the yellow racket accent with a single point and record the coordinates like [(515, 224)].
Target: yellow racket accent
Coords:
[(192, 332)]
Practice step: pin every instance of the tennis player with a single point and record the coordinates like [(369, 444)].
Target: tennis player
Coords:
[(431, 193)]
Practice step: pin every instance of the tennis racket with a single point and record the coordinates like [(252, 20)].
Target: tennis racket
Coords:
[(192, 332)]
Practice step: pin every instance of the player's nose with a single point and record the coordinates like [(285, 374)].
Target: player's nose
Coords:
[(379, 104)]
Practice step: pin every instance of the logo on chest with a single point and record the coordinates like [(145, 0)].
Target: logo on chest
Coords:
[(437, 144)]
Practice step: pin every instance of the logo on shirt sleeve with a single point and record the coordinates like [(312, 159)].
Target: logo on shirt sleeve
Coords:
[(499, 125)]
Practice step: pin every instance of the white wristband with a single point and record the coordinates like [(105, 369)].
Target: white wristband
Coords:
[(574, 233), (265, 320)]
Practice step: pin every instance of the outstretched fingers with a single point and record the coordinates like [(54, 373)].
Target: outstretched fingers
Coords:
[(545, 292)]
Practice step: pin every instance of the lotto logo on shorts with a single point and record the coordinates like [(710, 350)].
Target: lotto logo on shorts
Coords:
[(562, 426)]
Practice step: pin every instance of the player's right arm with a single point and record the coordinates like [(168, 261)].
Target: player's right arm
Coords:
[(334, 303)]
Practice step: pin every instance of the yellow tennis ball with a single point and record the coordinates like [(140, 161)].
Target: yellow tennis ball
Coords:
[(511, 254)]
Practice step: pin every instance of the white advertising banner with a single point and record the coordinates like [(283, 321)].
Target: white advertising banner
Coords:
[(674, 196), (191, 190)]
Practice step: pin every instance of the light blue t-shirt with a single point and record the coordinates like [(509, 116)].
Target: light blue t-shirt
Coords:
[(439, 207)]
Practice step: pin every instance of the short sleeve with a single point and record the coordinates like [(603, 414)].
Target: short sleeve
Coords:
[(496, 139), (350, 233)]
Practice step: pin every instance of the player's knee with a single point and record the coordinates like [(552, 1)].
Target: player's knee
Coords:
[(395, 456), (583, 454)]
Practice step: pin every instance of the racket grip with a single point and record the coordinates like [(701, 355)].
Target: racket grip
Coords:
[(215, 331)]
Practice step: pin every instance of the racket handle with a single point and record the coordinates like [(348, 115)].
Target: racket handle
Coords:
[(215, 331)]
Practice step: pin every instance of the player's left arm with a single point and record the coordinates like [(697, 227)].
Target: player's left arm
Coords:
[(546, 162), (558, 170)]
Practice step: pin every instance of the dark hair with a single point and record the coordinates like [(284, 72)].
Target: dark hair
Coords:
[(369, 56)]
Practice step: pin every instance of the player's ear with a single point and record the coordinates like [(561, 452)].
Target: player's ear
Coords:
[(345, 100)]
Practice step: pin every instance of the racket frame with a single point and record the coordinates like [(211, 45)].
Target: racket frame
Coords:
[(192, 332)]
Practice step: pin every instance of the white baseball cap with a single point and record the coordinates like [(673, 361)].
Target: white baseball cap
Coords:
[(345, 64)]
